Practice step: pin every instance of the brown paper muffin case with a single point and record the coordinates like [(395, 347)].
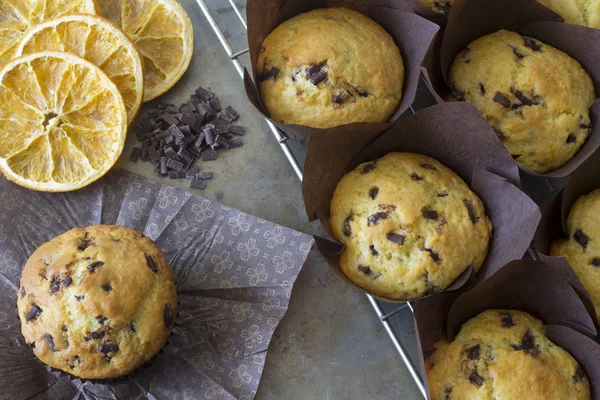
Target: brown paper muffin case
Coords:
[(549, 291), (472, 19), (234, 275), (411, 33), (453, 134)]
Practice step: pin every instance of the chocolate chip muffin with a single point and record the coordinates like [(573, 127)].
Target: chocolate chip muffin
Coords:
[(97, 302), (503, 354), (580, 12), (439, 6), (536, 97), (582, 248), (410, 225), (330, 67)]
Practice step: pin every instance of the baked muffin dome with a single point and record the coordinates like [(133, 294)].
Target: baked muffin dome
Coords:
[(97, 302), (536, 97), (330, 67), (582, 248), (503, 354), (410, 225), (580, 12)]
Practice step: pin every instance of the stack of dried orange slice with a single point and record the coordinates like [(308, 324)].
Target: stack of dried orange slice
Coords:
[(71, 81)]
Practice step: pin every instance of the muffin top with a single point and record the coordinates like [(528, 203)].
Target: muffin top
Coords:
[(97, 302), (582, 248), (330, 67), (536, 97), (503, 354), (410, 225), (580, 12)]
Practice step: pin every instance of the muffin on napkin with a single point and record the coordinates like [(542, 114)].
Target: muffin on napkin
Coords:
[(536, 97), (97, 302), (330, 67), (410, 226)]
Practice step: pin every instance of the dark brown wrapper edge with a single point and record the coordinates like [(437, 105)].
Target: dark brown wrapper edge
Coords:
[(449, 133), (411, 33), (472, 19), (549, 291)]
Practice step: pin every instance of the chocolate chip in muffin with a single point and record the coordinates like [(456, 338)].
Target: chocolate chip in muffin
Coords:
[(471, 212), (585, 126), (416, 177), (107, 287), (338, 98), (267, 74), (347, 228), (79, 297), (373, 192), (579, 374), (22, 292), (365, 270), (85, 242), (373, 250), (532, 44), (501, 99), (525, 101), (434, 256), (101, 319), (481, 89), (506, 320), (108, 347), (476, 379), (428, 166), (528, 345), (31, 345), (396, 238), (75, 362), (67, 281), (596, 262), (376, 218), (151, 263), (362, 92), (50, 341), (132, 327), (368, 167), (571, 138), (33, 313), (428, 213), (96, 264), (447, 393), (316, 73), (515, 50), (55, 284), (169, 320), (473, 352), (581, 238), (443, 194)]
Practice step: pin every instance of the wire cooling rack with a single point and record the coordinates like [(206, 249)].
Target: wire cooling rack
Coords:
[(396, 318)]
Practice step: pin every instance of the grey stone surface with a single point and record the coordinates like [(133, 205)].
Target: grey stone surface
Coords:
[(330, 345)]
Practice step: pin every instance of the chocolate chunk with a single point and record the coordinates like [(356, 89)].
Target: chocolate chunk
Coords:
[(50, 341), (473, 352), (101, 319), (376, 218), (107, 287), (429, 166), (268, 74), (501, 99), (192, 171), (532, 44), (204, 94), (517, 53), (474, 218), (365, 270), (215, 103), (132, 327), (447, 392), (85, 243), (506, 320), (596, 262), (434, 256), (209, 155), (234, 144), (579, 374), (174, 165), (231, 113), (581, 238), (362, 93), (96, 264), (396, 238), (428, 213), (476, 379), (55, 284), (368, 167), (347, 228), (33, 313), (338, 99), (168, 316), (528, 345), (136, 152), (416, 177), (316, 73), (95, 335), (204, 176), (373, 193), (198, 183), (67, 281), (151, 264), (169, 119), (177, 174), (584, 126), (571, 138), (106, 348), (236, 129), (443, 194), (79, 297), (373, 250), (162, 166), (153, 154), (526, 101), (482, 89)]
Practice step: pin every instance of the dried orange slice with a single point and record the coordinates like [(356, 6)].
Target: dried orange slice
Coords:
[(62, 122), (100, 42), (18, 16), (163, 34)]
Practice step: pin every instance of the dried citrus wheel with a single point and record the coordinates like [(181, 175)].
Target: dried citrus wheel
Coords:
[(162, 33), (62, 122), (98, 41), (18, 16)]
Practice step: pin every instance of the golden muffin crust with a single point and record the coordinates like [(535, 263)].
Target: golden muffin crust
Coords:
[(536, 97), (580, 12), (330, 67), (439, 6), (582, 248), (97, 302), (411, 226), (502, 355)]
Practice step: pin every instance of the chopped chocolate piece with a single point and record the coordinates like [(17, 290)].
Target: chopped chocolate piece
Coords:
[(501, 99), (434, 256), (79, 297), (396, 238), (185, 129), (532, 44), (416, 177), (163, 135), (347, 228), (33, 313), (171, 154), (318, 77), (473, 353), (476, 379), (267, 74), (482, 89), (185, 155), (199, 140), (579, 374), (203, 110), (174, 165), (596, 262), (443, 194), (163, 166), (338, 98), (95, 335), (584, 126), (209, 134), (368, 167), (223, 142), (50, 341), (236, 129), (204, 175), (169, 139), (526, 101), (581, 238), (132, 327), (429, 166), (67, 281), (177, 174), (376, 218), (232, 113), (215, 103), (153, 154), (447, 393), (373, 250), (506, 320), (234, 144), (571, 138), (365, 270), (108, 348), (107, 287), (362, 93), (192, 172), (101, 319), (471, 212), (172, 110), (169, 119), (209, 155), (136, 152), (221, 129), (168, 316), (96, 264), (517, 53), (373, 193), (55, 284), (176, 132), (528, 345), (151, 264), (428, 213), (198, 183), (204, 94), (188, 118)]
